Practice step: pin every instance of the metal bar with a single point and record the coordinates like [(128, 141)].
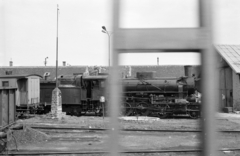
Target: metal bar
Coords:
[(162, 39)]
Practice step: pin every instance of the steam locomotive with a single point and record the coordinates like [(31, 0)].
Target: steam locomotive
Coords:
[(144, 95)]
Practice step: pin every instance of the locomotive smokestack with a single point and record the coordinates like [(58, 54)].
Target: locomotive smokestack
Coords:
[(158, 61), (64, 63)]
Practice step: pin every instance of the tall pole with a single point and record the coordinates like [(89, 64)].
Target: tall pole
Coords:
[(104, 30), (57, 51), (109, 49)]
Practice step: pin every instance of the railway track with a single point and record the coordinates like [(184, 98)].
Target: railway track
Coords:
[(80, 152), (73, 129), (82, 131)]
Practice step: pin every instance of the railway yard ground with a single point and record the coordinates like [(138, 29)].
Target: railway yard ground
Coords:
[(87, 135)]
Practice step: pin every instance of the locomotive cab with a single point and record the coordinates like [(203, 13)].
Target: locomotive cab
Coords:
[(93, 88)]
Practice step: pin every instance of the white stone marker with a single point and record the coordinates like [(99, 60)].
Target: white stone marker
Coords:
[(56, 107)]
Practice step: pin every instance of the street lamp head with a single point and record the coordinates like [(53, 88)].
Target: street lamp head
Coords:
[(104, 28)]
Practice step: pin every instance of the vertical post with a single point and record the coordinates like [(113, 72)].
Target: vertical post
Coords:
[(103, 109), (57, 52), (102, 101), (56, 106), (115, 90), (209, 81), (109, 50)]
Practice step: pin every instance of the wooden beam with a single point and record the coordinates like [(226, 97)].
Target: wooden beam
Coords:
[(160, 40)]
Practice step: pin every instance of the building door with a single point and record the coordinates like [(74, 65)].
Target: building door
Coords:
[(226, 87), (22, 86)]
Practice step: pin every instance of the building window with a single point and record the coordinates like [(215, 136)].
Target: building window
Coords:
[(5, 83), (8, 72)]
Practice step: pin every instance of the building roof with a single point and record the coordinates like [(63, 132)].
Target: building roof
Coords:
[(19, 76), (231, 54), (160, 71)]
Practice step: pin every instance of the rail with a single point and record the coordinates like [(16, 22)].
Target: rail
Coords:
[(64, 152), (140, 130)]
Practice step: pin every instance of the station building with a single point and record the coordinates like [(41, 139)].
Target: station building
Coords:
[(229, 73)]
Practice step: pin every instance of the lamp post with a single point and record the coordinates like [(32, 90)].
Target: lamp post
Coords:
[(104, 30), (45, 62)]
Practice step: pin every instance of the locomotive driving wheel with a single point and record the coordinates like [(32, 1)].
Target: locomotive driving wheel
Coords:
[(142, 109), (163, 115), (76, 111), (162, 111), (193, 114), (126, 110)]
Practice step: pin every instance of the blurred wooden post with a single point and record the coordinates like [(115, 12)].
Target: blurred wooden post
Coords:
[(209, 80)]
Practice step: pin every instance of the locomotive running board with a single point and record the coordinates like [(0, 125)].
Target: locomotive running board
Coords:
[(168, 40)]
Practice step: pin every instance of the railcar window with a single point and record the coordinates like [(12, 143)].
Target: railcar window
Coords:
[(5, 83)]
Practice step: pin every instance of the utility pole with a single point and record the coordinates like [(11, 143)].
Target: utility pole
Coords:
[(56, 105), (57, 51)]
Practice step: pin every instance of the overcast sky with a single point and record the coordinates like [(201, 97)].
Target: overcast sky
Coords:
[(28, 29)]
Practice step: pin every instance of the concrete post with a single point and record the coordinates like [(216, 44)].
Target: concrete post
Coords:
[(56, 107)]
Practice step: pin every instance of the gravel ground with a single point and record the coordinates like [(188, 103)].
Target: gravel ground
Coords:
[(224, 122), (28, 136)]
